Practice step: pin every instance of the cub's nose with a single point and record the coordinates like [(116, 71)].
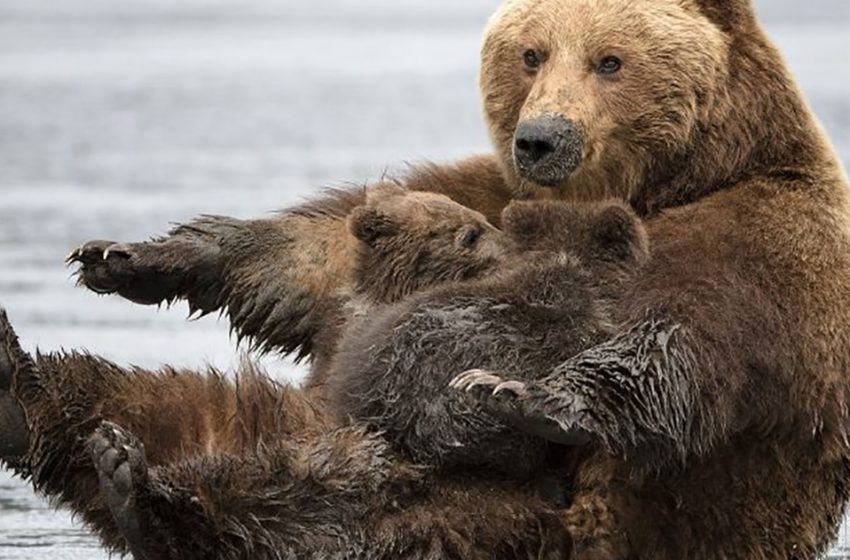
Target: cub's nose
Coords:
[(548, 149)]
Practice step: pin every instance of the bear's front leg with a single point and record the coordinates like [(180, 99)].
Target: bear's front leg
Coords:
[(276, 279), (635, 394)]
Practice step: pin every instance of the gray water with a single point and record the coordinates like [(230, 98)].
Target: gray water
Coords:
[(119, 118)]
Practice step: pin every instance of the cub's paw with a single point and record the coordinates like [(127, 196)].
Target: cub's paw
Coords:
[(119, 459)]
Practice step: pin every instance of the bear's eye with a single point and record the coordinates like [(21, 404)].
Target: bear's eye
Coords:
[(609, 65), (532, 59), (469, 237)]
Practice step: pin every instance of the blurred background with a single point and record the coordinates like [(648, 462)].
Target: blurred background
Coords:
[(118, 119)]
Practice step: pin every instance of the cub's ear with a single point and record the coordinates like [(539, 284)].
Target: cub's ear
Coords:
[(617, 234), (384, 190), (528, 223), (369, 224)]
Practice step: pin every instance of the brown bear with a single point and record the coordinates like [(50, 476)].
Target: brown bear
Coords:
[(727, 367), (210, 476)]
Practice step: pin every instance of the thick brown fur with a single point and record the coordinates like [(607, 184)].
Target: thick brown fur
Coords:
[(204, 467), (219, 470), (546, 303), (720, 401)]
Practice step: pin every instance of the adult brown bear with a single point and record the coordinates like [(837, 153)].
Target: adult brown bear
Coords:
[(721, 404)]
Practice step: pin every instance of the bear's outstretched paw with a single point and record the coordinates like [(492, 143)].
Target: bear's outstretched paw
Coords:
[(494, 393), (14, 433), (487, 380), (119, 458), (145, 273), (520, 404)]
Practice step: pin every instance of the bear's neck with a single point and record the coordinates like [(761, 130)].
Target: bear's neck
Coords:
[(758, 126)]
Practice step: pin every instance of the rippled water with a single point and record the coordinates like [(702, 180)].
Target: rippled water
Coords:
[(118, 118)]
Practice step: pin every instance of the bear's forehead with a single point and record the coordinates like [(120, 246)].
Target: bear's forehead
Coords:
[(585, 22)]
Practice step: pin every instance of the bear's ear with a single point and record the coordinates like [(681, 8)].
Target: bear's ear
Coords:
[(369, 224), (617, 234), (729, 14)]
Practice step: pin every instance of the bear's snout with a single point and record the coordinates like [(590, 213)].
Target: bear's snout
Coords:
[(548, 149)]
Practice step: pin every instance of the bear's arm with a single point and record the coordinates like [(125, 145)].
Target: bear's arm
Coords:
[(704, 351), (277, 278)]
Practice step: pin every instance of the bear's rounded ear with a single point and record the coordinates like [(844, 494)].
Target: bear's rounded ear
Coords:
[(728, 14), (616, 233), (369, 224)]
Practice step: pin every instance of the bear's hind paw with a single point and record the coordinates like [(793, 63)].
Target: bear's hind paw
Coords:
[(119, 459)]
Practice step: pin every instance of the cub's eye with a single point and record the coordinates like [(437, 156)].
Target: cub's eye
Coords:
[(532, 59), (469, 237), (609, 65)]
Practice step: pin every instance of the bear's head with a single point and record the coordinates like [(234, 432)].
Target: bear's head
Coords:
[(657, 102), (411, 240), (598, 233)]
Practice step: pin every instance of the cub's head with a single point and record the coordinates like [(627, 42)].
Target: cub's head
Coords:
[(653, 101), (412, 240), (598, 233)]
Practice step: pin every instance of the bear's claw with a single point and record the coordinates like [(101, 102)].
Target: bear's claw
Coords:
[(469, 380), (104, 265)]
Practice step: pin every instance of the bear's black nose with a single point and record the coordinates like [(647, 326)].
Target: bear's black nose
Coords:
[(547, 149)]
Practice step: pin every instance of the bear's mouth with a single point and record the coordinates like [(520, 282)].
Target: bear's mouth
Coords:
[(548, 150)]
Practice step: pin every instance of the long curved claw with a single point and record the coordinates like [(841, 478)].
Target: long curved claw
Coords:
[(471, 379)]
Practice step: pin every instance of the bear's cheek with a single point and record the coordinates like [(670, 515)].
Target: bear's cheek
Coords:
[(504, 94)]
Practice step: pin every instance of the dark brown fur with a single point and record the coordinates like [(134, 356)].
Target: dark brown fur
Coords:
[(720, 400)]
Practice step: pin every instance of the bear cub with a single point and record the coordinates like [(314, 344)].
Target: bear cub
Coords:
[(541, 298)]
